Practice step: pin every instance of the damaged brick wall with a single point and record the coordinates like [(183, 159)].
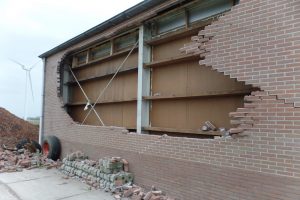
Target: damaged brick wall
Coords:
[(257, 42)]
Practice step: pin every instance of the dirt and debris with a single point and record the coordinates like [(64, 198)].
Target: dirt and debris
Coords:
[(110, 174), (13, 129), (16, 161)]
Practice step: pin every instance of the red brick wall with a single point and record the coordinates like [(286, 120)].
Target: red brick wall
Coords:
[(257, 42)]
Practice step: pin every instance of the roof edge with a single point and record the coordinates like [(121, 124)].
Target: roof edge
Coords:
[(117, 19)]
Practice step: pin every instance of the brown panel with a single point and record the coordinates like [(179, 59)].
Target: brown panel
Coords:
[(203, 78), (130, 85), (111, 114), (170, 49), (109, 66), (78, 114), (168, 81), (115, 114), (123, 87), (169, 114), (129, 114), (192, 113), (188, 78)]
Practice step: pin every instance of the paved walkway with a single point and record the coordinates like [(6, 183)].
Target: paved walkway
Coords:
[(42, 184)]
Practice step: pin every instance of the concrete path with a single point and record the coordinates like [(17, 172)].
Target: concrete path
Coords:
[(42, 184)]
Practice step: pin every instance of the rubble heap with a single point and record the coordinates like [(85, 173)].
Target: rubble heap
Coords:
[(14, 161), (111, 174), (13, 129)]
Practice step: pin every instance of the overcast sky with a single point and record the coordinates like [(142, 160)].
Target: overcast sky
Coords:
[(29, 28)]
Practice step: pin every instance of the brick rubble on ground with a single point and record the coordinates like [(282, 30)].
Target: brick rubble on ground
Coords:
[(110, 174), (14, 161)]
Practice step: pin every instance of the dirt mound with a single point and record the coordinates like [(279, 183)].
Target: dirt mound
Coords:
[(13, 128)]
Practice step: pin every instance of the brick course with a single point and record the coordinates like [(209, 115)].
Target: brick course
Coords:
[(256, 42)]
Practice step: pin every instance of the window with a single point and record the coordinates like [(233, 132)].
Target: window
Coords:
[(170, 22), (205, 9), (100, 51), (185, 16), (125, 41), (80, 58)]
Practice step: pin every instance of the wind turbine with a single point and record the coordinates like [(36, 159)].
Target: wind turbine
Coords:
[(27, 78)]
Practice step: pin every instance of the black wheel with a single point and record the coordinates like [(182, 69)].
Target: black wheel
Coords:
[(36, 145), (51, 147), (21, 143)]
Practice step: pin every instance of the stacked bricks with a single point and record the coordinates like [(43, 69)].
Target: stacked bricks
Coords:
[(197, 46), (107, 174), (246, 117)]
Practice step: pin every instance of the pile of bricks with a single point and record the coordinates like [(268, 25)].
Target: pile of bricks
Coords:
[(110, 174), (15, 161), (107, 174), (137, 193)]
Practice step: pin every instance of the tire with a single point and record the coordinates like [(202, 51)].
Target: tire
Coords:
[(21, 144), (37, 145), (51, 147)]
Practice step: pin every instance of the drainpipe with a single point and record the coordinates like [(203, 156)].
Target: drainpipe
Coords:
[(41, 130)]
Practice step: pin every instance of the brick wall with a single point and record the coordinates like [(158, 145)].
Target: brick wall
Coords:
[(257, 42)]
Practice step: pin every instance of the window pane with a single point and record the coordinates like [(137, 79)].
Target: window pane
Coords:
[(208, 8), (125, 41), (170, 22), (81, 58), (100, 51)]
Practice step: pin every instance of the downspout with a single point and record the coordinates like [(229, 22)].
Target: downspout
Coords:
[(41, 130)]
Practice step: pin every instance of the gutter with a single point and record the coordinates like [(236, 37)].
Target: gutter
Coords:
[(129, 13), (41, 130)]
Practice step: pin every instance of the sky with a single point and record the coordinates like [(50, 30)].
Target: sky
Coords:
[(32, 27)]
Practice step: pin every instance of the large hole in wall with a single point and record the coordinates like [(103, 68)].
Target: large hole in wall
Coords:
[(184, 95)]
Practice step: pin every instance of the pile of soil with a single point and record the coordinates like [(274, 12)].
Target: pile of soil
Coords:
[(13, 129)]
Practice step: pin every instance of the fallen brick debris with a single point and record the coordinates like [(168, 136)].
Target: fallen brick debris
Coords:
[(13, 129), (110, 174), (16, 161)]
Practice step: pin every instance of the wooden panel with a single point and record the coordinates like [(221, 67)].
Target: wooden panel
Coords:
[(78, 114), (188, 78), (130, 86), (120, 114), (170, 49), (168, 81), (123, 87), (173, 60), (203, 78), (169, 114), (109, 66), (95, 77), (111, 114), (129, 114), (192, 113)]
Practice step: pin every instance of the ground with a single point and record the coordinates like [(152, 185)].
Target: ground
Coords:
[(13, 129), (42, 184)]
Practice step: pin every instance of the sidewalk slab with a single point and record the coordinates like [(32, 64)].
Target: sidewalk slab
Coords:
[(42, 184)]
